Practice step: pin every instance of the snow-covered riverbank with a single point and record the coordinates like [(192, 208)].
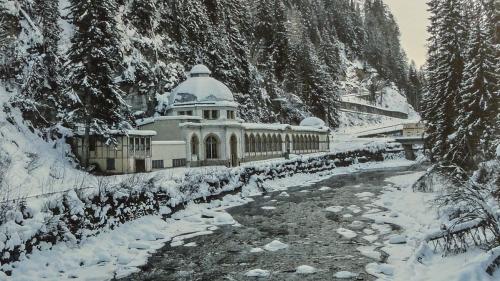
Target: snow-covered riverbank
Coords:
[(411, 258), (120, 251)]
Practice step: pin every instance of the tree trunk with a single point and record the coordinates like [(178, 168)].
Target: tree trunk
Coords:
[(86, 137)]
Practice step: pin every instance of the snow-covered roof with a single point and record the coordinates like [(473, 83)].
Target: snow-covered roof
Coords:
[(282, 127), (200, 87), (122, 133), (149, 120), (168, 142), (312, 122)]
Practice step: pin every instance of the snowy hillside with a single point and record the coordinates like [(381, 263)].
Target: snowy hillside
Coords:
[(28, 164)]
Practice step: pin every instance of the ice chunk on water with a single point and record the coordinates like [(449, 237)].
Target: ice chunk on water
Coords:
[(275, 246), (368, 231), (324, 188), (257, 273), (334, 209), (357, 225), (268, 208), (397, 239), (345, 275), (256, 250), (221, 218), (370, 238), (369, 251), (355, 209), (346, 233), (305, 269), (365, 194)]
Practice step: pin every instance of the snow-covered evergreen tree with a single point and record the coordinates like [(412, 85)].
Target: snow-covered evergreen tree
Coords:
[(43, 102), (478, 111), (143, 15), (445, 70), (94, 57)]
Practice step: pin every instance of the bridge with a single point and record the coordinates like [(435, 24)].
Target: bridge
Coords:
[(407, 134)]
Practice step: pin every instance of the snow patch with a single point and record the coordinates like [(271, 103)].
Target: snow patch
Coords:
[(259, 273), (275, 245), (305, 269), (345, 275), (334, 209), (346, 233)]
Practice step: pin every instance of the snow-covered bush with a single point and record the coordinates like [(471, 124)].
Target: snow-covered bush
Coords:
[(471, 204)]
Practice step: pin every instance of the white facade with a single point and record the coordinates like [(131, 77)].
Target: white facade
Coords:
[(201, 128)]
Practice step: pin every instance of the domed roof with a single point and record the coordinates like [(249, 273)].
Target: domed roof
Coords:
[(312, 122), (200, 87), (200, 69)]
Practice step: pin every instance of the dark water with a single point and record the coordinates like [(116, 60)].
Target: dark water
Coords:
[(299, 221)]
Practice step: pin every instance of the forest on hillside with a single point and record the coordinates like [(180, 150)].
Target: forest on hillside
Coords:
[(283, 59)]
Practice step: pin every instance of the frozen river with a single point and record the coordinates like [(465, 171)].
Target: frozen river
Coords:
[(302, 221)]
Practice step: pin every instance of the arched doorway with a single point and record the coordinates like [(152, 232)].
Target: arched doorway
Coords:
[(233, 143)]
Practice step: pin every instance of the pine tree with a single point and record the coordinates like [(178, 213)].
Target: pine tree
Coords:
[(143, 15), (94, 57), (445, 68), (476, 123), (414, 88)]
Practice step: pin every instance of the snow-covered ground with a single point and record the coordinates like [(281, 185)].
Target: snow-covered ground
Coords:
[(417, 215)]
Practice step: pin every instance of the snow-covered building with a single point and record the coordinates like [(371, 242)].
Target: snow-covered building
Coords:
[(131, 154), (201, 127)]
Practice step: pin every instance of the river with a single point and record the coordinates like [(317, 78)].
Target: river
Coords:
[(298, 220)]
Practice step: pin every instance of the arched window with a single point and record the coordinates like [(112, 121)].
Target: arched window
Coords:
[(302, 143), (252, 143), (327, 142), (195, 145), (247, 144), (258, 140), (317, 142), (211, 146), (275, 143), (264, 143), (310, 145), (287, 144), (270, 143), (279, 143)]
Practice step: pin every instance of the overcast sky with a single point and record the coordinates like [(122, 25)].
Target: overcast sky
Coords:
[(412, 17)]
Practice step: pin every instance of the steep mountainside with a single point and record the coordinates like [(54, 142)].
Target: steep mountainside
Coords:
[(283, 59)]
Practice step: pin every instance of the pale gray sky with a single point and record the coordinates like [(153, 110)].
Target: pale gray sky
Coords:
[(412, 17)]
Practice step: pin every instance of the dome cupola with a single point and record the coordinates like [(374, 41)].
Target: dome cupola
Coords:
[(312, 122), (201, 88), (200, 70)]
